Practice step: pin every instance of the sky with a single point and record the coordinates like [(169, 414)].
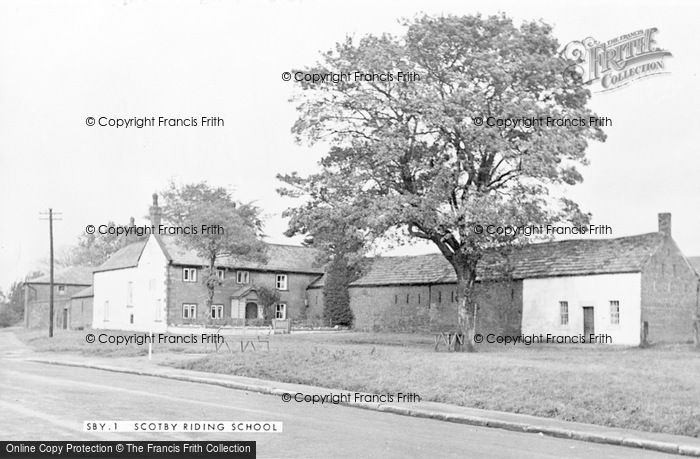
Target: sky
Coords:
[(61, 62)]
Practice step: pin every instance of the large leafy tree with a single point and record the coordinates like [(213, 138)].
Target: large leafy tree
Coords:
[(94, 249), (333, 225), (414, 156), (12, 305), (199, 204)]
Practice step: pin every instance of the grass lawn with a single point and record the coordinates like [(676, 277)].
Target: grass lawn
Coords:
[(655, 389), (74, 341)]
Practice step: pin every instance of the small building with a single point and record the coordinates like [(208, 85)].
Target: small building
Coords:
[(67, 283), (158, 285), (420, 294), (626, 288), (80, 312)]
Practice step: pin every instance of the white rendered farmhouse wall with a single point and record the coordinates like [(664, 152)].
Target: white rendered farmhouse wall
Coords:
[(555, 305), (133, 298)]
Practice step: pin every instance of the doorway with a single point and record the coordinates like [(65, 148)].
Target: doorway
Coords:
[(251, 310), (588, 322)]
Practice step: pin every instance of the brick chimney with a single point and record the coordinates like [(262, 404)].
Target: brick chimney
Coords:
[(665, 224), (155, 212)]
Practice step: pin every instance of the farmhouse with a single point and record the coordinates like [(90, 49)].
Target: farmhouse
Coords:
[(627, 287), (630, 288), (68, 313), (157, 285)]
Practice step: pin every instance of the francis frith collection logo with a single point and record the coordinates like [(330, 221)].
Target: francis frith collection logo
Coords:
[(617, 62)]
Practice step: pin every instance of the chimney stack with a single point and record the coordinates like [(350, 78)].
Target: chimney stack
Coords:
[(131, 237), (155, 212), (665, 224)]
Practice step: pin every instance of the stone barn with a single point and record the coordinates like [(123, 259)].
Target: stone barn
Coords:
[(628, 288)]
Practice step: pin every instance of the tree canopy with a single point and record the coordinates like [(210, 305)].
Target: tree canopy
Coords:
[(200, 204), (93, 249), (414, 155)]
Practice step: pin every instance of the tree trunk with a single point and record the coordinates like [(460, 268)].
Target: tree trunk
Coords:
[(696, 322), (212, 279), (466, 318)]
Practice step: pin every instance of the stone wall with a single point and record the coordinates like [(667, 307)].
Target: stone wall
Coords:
[(37, 303), (431, 308), (180, 292), (669, 295)]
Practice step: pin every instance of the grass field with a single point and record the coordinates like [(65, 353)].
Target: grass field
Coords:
[(655, 389), (75, 342)]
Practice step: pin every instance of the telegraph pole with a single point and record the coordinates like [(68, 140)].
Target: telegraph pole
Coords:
[(50, 218)]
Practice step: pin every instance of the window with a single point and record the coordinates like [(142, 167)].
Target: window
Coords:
[(189, 274), (614, 312), (217, 311), (130, 294), (408, 296), (106, 311), (396, 299), (221, 274), (242, 277), (61, 289), (189, 311), (564, 312), (281, 282), (439, 297), (159, 311), (419, 298), (281, 311)]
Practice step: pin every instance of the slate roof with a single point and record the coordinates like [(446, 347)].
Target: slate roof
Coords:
[(285, 258), (585, 256), (574, 257), (695, 263), (126, 257), (84, 293), (73, 275)]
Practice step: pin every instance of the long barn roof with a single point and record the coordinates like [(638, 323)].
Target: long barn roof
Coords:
[(574, 257), (73, 275)]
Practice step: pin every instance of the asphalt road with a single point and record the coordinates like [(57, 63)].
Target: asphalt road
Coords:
[(47, 402)]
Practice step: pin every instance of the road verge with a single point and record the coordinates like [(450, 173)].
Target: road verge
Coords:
[(673, 444)]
